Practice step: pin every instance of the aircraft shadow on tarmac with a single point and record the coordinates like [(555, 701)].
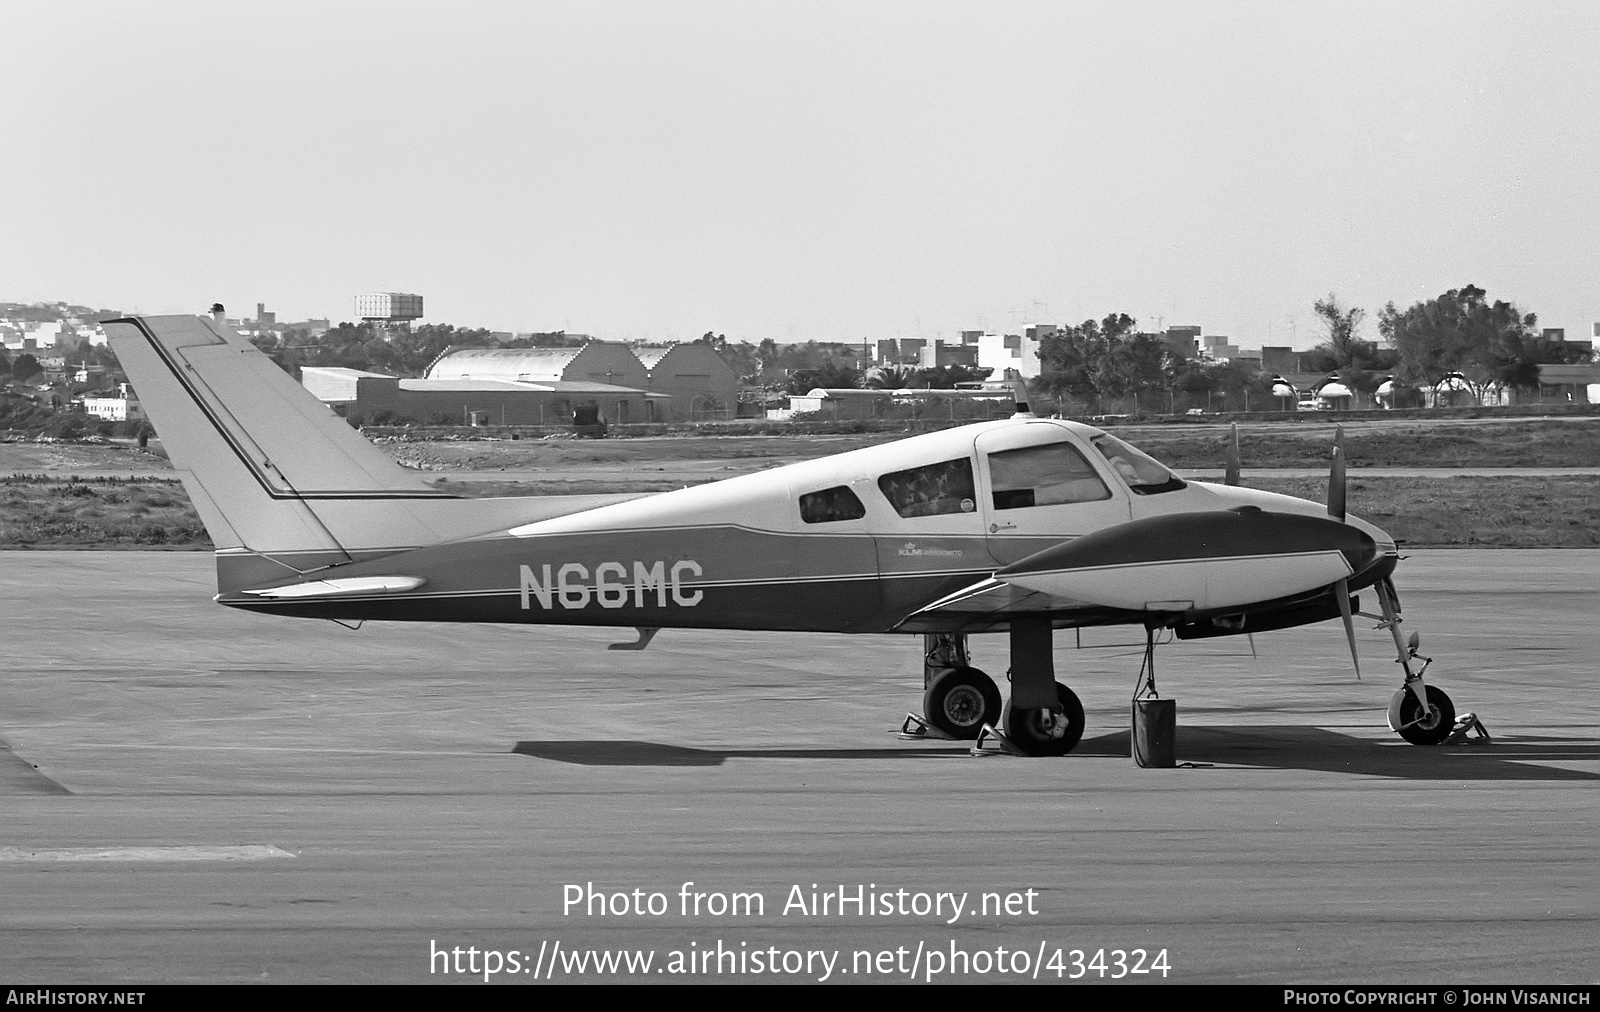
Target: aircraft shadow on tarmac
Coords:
[(1265, 747), (1296, 747), (650, 753)]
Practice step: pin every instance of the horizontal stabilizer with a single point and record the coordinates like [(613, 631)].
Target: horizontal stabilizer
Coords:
[(343, 586)]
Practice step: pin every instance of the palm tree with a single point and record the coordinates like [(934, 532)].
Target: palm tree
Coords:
[(889, 377)]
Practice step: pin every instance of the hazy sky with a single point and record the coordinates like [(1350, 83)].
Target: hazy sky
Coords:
[(802, 170)]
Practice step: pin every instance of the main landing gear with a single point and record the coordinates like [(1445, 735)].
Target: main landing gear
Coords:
[(957, 698), (1042, 717)]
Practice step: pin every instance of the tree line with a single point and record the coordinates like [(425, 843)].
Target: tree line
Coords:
[(1462, 331), (1099, 362), (399, 352)]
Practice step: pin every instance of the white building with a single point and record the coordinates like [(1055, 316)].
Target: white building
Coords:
[(44, 335), (114, 409), (1009, 355)]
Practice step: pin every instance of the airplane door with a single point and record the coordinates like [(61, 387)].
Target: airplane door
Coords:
[(1039, 486)]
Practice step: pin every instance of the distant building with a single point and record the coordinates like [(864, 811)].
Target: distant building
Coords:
[(911, 351), (702, 385), (1568, 383), (46, 334), (937, 353), (114, 408), (1008, 356), (389, 308), (1280, 359), (1184, 340), (597, 362), (368, 396)]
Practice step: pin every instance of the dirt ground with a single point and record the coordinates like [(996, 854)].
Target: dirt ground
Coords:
[(1520, 443), (1535, 442)]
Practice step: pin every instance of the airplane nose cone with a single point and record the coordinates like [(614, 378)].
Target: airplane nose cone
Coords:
[(1246, 532)]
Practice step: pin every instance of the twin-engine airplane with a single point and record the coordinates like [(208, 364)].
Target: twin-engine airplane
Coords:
[(1026, 525)]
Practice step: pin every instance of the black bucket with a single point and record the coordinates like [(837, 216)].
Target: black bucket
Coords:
[(1155, 733)]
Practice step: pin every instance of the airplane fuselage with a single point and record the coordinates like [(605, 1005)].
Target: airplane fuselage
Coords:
[(847, 543)]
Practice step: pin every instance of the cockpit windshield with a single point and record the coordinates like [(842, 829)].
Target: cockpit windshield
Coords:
[(1144, 474)]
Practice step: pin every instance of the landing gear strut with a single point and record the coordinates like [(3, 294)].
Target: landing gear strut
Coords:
[(1043, 717), (1422, 714)]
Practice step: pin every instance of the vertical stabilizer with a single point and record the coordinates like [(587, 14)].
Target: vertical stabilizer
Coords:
[(270, 468)]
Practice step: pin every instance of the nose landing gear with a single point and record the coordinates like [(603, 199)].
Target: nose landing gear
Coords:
[(1421, 714)]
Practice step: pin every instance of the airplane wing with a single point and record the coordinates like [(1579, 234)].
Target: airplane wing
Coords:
[(991, 603)]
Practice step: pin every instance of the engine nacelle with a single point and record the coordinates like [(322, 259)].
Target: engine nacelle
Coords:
[(1197, 561)]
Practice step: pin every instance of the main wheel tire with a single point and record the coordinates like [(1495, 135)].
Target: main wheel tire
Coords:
[(1436, 726), (1028, 731), (960, 701)]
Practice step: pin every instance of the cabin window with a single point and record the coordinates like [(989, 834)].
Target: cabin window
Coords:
[(931, 490), (1047, 475), (830, 505)]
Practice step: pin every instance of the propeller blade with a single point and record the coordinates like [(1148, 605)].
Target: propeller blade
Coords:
[(1231, 476), (1336, 481), (1342, 591)]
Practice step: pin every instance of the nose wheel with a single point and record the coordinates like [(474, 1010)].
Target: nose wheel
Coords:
[(1431, 728)]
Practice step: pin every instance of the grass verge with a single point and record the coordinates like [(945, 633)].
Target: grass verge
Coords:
[(1499, 512)]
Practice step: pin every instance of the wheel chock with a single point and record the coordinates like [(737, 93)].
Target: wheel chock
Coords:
[(1463, 734), (992, 741), (915, 728)]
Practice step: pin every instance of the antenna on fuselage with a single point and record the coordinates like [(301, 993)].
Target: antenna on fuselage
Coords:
[(1019, 389)]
